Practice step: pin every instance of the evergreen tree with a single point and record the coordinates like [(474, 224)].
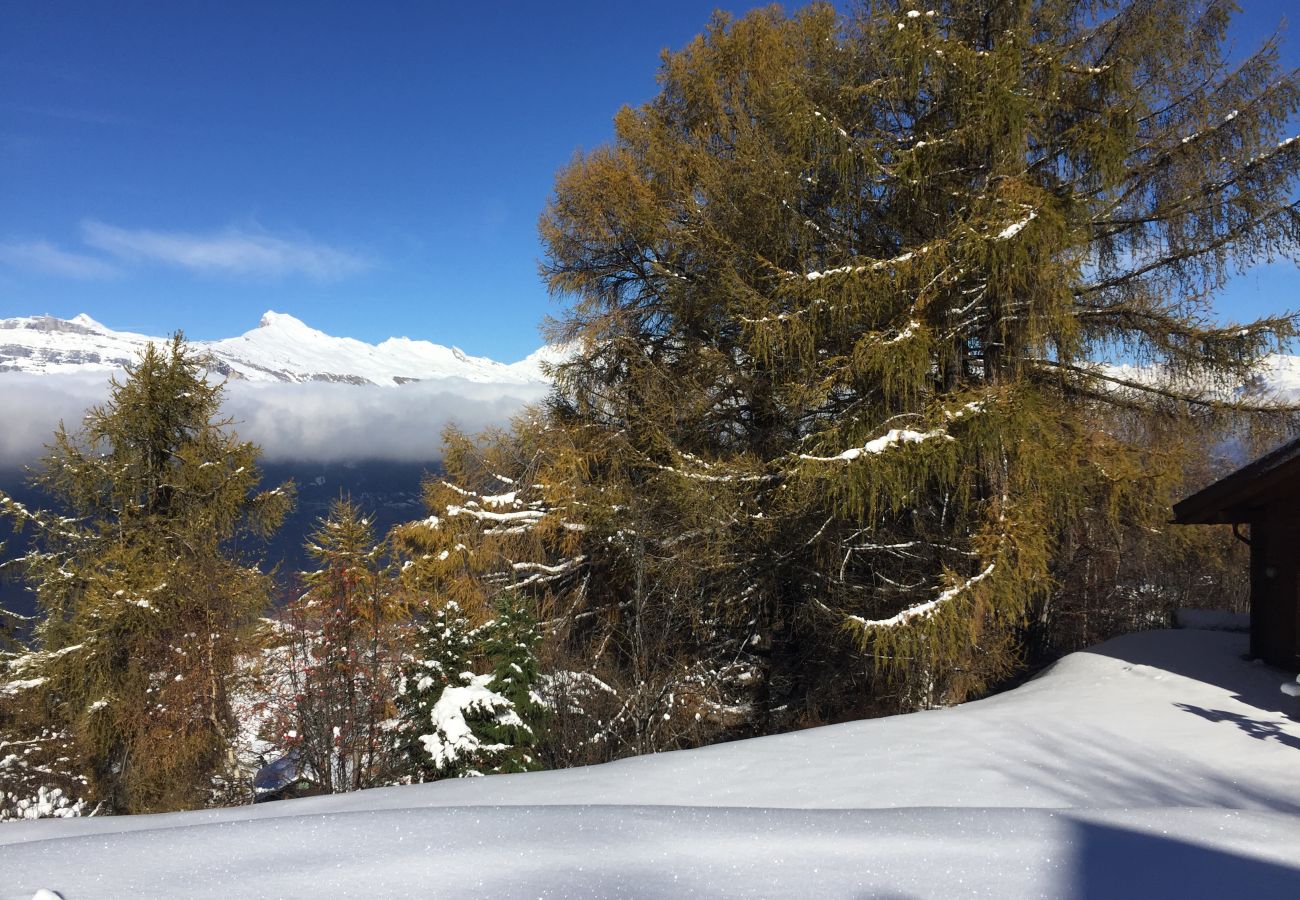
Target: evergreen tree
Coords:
[(444, 644), (511, 642), (145, 595), (456, 722), (845, 294)]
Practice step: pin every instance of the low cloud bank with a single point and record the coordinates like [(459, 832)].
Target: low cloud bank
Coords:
[(313, 422)]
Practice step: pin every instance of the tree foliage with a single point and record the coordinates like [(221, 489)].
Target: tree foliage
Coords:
[(339, 656), (851, 298), (456, 722), (145, 592)]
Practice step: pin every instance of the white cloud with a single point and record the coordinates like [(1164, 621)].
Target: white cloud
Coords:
[(339, 422), (233, 251), (44, 257), (31, 407), (316, 422)]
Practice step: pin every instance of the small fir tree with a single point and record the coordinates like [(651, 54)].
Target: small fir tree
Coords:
[(443, 649), (457, 723), (511, 643)]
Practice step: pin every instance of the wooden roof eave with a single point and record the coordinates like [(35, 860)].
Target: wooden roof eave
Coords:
[(1241, 496)]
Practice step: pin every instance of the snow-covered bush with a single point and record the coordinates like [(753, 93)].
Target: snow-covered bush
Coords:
[(459, 723)]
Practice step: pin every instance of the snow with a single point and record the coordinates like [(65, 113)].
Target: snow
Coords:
[(1280, 377), (280, 348), (49, 803), (922, 610), (1015, 227), (1212, 619), (12, 688), (888, 440), (453, 739), (856, 270), (283, 344), (1155, 765)]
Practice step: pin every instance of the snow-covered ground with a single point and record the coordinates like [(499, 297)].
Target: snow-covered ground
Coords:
[(1155, 765)]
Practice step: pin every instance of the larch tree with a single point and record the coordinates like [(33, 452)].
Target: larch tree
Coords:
[(851, 298), (146, 595), (340, 656)]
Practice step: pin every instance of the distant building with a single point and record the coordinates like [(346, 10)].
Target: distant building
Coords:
[(1266, 496)]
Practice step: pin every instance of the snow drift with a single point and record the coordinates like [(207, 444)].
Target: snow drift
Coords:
[(1155, 765)]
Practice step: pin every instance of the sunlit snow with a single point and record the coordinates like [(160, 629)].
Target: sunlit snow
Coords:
[(1155, 765)]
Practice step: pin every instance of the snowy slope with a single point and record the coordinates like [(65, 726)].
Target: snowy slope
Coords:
[(280, 348), (1156, 765), (46, 345), (1281, 376)]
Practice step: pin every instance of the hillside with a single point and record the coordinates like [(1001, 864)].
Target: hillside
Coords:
[(1155, 765)]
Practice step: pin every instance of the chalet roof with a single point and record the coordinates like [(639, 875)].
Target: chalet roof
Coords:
[(1237, 497)]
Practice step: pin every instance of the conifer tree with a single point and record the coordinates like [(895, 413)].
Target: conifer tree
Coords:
[(511, 642), (145, 591), (343, 656), (456, 722), (848, 295), (443, 647)]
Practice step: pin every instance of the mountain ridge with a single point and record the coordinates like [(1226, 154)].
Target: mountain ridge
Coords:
[(282, 348)]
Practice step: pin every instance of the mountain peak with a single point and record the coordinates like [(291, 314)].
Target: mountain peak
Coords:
[(273, 319), (86, 321), (281, 348)]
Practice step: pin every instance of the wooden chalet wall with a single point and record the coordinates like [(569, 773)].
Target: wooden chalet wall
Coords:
[(1266, 496)]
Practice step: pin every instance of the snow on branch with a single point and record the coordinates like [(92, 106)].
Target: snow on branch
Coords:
[(890, 439), (927, 609), (453, 739), (1015, 228), (13, 688), (698, 476), (542, 572), (875, 266), (525, 516)]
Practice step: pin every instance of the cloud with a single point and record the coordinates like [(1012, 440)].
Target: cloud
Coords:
[(340, 422), (233, 251), (315, 422), (31, 407), (44, 257)]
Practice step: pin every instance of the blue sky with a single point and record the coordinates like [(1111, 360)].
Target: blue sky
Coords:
[(374, 169)]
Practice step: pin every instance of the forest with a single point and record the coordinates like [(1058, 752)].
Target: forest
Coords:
[(892, 342)]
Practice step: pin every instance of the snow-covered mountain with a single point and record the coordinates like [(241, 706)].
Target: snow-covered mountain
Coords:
[(280, 348)]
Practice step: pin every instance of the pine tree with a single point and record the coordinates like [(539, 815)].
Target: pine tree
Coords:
[(146, 596), (845, 294), (456, 722)]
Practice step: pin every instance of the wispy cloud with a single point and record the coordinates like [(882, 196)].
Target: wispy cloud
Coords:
[(44, 257), (233, 251)]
